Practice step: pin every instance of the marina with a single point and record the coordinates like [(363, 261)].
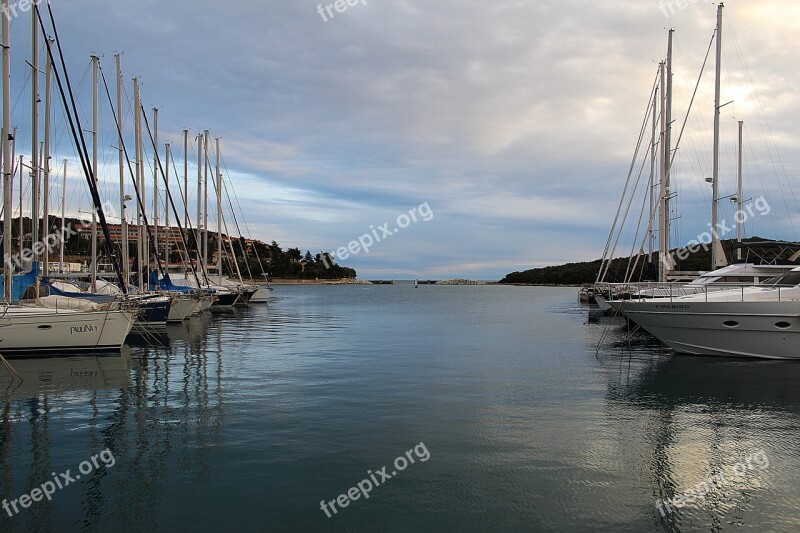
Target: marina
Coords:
[(167, 365), (268, 410)]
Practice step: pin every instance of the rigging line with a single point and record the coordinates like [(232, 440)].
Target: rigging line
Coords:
[(23, 91), (189, 228), (630, 203), (704, 192), (135, 188), (645, 199), (244, 219), (760, 175), (175, 210), (224, 222), (760, 108), (691, 103), (84, 162), (605, 261), (236, 222)]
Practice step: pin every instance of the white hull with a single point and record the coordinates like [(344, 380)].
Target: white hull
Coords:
[(197, 305), (260, 297), (35, 331), (764, 330), (180, 309)]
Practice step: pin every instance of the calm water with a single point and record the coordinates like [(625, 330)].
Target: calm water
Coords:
[(245, 421)]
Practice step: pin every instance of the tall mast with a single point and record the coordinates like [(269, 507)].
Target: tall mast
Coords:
[(199, 199), (663, 215), (206, 138), (651, 188), (6, 52), (139, 180), (668, 155), (717, 255), (95, 126), (48, 89), (34, 131), (21, 210), (186, 179), (155, 179), (167, 229), (121, 155), (739, 199), (219, 217), (63, 216)]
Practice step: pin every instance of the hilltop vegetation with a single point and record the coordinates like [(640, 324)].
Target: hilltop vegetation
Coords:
[(586, 272), (255, 258)]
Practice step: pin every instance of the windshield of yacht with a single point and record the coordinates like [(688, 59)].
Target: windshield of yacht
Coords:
[(787, 280)]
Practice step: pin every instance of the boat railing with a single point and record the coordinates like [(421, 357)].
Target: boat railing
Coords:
[(670, 291)]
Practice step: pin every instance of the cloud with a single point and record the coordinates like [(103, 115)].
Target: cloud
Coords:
[(516, 120)]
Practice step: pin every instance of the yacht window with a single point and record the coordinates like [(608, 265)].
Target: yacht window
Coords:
[(787, 280)]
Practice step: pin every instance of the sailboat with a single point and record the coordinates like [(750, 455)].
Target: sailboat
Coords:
[(44, 326), (761, 321)]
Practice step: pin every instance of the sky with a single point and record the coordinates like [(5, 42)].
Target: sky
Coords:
[(511, 124)]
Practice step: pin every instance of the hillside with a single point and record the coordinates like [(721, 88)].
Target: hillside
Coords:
[(586, 272)]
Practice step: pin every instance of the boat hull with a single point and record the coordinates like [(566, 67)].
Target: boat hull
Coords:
[(35, 332), (180, 309), (226, 299), (763, 330), (261, 296), (153, 313)]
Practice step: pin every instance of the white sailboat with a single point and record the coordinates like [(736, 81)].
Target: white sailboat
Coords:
[(44, 327), (760, 321)]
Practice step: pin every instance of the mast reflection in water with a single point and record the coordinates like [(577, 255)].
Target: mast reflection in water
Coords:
[(245, 420)]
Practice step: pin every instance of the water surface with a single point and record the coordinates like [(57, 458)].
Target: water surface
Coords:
[(247, 420)]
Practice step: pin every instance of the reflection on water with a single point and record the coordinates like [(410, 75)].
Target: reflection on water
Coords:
[(246, 419), (700, 417), (160, 396)]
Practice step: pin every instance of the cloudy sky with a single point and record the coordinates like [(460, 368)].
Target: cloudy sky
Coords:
[(515, 121)]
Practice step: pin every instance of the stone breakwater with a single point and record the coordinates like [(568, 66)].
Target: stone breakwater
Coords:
[(460, 282)]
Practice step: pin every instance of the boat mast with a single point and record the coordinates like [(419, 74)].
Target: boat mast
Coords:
[(739, 199), (139, 171), (206, 138), (48, 89), (186, 178), (95, 126), (8, 274), (167, 229), (63, 216), (21, 211), (199, 200), (653, 143), (219, 217), (34, 132), (717, 255), (663, 220), (126, 276), (155, 180)]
